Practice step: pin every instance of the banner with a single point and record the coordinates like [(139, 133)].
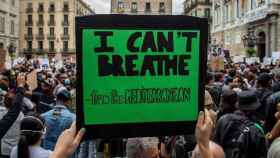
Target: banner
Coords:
[(140, 79)]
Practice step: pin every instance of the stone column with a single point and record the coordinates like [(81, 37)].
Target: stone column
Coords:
[(274, 34), (268, 36)]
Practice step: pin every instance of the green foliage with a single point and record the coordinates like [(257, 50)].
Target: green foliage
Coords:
[(251, 52)]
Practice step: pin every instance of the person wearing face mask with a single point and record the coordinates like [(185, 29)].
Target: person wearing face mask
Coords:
[(32, 131), (45, 99), (58, 119), (12, 136)]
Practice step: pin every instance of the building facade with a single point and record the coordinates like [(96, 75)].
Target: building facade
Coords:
[(9, 21), (237, 21), (199, 8), (147, 7), (47, 27)]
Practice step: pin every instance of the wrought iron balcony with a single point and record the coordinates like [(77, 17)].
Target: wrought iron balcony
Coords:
[(28, 37), (51, 37), (40, 23), (28, 23), (40, 37), (65, 23), (29, 10), (51, 23), (65, 37)]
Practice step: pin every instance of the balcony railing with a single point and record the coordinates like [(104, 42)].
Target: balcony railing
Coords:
[(65, 9), (29, 10), (51, 10), (52, 50), (41, 51), (40, 10), (40, 37), (65, 23), (40, 23), (28, 37), (51, 23), (65, 37), (28, 51), (51, 37), (28, 23), (69, 51)]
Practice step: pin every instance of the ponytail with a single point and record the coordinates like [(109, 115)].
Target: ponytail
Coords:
[(23, 150)]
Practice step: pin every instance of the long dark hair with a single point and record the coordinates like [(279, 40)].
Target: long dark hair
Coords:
[(32, 128)]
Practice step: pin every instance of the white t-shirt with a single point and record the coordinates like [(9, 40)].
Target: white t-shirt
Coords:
[(34, 152)]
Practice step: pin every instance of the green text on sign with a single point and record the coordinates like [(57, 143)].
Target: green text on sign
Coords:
[(140, 76)]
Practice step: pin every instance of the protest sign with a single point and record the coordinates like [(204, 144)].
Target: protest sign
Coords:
[(217, 63), (31, 80), (138, 78)]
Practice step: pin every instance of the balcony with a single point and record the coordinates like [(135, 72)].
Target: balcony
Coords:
[(51, 10), (68, 51), (29, 10), (28, 23), (40, 37), (52, 51), (40, 10), (256, 14), (40, 23), (51, 23), (65, 9), (65, 23), (28, 37), (41, 51), (51, 37), (28, 51), (65, 37)]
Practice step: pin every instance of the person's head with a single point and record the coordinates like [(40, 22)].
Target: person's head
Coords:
[(47, 86), (248, 101), (264, 80), (216, 151), (209, 78), (63, 96), (142, 148), (8, 99), (228, 100), (32, 130), (208, 101), (218, 77)]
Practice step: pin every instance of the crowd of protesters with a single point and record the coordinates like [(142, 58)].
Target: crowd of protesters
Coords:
[(240, 120)]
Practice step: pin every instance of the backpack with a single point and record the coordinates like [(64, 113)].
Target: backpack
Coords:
[(245, 139)]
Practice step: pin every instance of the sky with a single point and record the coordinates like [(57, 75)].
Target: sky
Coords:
[(103, 6)]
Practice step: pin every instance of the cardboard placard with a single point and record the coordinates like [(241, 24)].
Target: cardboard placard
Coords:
[(217, 63), (31, 80), (140, 75)]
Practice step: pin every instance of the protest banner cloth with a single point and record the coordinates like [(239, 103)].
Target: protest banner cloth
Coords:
[(2, 59), (31, 80), (217, 63), (140, 75)]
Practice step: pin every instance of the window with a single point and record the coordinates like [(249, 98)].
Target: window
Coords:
[(40, 45), (161, 7), (65, 7), (237, 6), (253, 4), (13, 2), (120, 4), (52, 8), (134, 7), (41, 18), (29, 45), (65, 46), (29, 31), (66, 18), (41, 7), (52, 31), (2, 24), (41, 31), (29, 18), (226, 13), (29, 5), (51, 46), (65, 31), (52, 19), (207, 12), (12, 31), (148, 7), (207, 1)]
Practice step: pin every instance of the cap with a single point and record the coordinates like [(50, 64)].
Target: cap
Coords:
[(247, 100), (62, 92)]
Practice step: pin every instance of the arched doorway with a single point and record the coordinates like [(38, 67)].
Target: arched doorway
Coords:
[(261, 45)]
